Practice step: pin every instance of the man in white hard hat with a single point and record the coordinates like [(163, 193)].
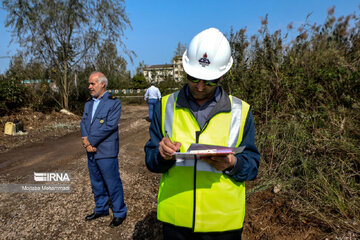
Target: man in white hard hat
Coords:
[(203, 197)]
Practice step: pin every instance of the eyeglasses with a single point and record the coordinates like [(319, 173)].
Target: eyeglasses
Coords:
[(211, 83)]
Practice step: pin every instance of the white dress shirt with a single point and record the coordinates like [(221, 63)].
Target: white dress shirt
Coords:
[(152, 93)]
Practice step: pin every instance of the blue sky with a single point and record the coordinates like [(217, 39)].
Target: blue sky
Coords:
[(159, 25)]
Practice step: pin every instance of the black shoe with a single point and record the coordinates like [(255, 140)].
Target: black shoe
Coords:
[(95, 216), (148, 119), (116, 221)]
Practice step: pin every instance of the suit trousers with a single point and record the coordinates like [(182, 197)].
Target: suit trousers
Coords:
[(106, 184)]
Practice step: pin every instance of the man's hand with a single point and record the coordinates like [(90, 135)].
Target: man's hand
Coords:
[(91, 149), (85, 142), (220, 163), (167, 148)]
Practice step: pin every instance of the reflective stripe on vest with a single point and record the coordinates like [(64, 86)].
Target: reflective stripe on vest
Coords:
[(218, 201), (169, 112)]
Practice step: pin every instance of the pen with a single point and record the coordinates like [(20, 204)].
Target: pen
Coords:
[(167, 135)]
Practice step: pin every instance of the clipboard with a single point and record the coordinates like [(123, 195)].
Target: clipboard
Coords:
[(205, 150)]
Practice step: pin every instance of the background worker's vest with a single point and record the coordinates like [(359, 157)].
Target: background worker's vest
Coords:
[(192, 193)]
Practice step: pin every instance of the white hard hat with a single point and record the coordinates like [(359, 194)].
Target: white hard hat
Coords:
[(208, 56)]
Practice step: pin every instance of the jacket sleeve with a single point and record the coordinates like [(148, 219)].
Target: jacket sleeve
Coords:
[(82, 123), (111, 124), (247, 164), (153, 159)]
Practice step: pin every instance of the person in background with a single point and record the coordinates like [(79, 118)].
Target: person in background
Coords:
[(100, 138), (203, 197), (152, 97)]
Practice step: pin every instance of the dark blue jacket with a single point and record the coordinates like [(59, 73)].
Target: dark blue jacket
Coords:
[(247, 164), (102, 132)]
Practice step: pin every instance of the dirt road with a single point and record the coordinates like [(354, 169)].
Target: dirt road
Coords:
[(54, 153), (61, 215)]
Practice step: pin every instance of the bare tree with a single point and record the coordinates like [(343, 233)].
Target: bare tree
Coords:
[(180, 49)]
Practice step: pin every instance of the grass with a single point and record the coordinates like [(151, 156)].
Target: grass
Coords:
[(318, 166)]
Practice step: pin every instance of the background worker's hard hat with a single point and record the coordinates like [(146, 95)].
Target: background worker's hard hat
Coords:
[(208, 56)]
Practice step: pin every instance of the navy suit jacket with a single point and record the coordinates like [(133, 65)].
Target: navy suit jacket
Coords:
[(102, 132)]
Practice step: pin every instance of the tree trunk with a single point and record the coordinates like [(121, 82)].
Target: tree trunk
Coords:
[(65, 94)]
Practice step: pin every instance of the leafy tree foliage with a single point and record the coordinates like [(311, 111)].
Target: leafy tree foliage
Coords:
[(168, 85), (11, 94), (26, 85), (319, 67), (113, 66), (139, 81), (62, 34)]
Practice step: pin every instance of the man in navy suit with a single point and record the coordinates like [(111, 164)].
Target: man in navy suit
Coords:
[(100, 138)]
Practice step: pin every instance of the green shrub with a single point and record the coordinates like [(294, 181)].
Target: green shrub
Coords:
[(12, 95), (305, 95)]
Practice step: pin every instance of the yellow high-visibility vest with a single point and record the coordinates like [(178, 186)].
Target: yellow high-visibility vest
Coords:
[(192, 193)]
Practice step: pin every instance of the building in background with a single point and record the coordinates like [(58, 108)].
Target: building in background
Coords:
[(159, 73)]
